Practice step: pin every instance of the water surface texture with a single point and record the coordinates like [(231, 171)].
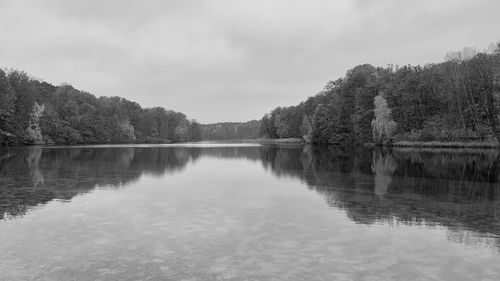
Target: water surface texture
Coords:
[(248, 212)]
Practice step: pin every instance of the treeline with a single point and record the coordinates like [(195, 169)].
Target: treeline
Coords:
[(36, 112), (231, 130), (456, 100)]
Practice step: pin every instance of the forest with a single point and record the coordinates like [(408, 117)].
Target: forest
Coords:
[(231, 130), (456, 100), (35, 112)]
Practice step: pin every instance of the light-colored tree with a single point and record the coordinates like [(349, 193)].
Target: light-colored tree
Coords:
[(464, 55), (34, 132), (306, 129), (127, 129), (181, 133), (383, 126), (493, 49)]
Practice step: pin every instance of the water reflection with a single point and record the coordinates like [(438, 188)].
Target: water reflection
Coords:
[(457, 189), (383, 166)]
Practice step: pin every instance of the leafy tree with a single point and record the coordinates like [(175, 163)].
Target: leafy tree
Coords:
[(456, 100), (383, 125), (181, 133), (38, 112), (34, 132), (194, 131), (7, 97)]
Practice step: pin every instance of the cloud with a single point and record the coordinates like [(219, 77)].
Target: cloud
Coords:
[(229, 60)]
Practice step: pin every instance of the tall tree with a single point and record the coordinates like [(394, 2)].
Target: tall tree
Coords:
[(383, 125)]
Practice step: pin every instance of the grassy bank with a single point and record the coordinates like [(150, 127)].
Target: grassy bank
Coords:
[(446, 144), (409, 144)]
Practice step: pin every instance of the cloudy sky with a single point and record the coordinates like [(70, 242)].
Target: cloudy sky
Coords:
[(230, 60)]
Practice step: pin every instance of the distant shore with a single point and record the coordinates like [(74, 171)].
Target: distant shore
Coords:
[(295, 141), (277, 141)]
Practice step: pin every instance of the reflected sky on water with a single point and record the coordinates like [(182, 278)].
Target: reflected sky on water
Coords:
[(248, 212)]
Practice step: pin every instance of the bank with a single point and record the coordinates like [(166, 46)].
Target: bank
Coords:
[(446, 144)]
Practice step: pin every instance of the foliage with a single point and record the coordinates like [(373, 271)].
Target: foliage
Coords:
[(456, 100), (232, 130), (34, 112), (383, 125)]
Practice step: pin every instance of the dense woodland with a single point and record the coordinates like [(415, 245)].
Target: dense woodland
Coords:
[(456, 100), (231, 130), (35, 112)]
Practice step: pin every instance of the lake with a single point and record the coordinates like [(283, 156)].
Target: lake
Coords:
[(248, 212)]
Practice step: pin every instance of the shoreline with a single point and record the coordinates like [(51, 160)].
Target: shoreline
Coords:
[(291, 141), (436, 144), (408, 144), (277, 141)]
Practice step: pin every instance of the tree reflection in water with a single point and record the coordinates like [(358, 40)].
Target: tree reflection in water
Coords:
[(457, 189), (383, 166)]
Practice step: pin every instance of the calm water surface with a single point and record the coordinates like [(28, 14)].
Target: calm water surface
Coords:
[(248, 212)]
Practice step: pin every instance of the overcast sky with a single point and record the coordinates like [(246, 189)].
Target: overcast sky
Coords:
[(230, 60)]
